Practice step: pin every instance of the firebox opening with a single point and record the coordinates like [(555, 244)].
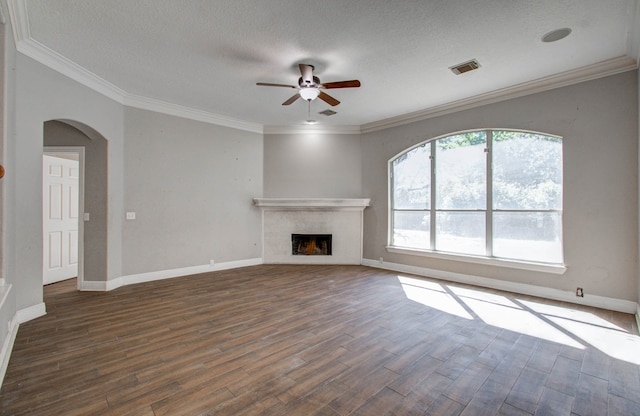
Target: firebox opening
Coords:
[(311, 244)]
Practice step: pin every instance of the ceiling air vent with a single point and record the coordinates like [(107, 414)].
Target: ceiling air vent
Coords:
[(465, 67), (327, 112)]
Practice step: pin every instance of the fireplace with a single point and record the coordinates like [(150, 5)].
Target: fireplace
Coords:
[(332, 230), (311, 244)]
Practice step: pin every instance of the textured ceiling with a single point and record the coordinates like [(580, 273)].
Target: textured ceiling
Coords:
[(208, 55)]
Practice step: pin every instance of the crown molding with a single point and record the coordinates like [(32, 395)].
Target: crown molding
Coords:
[(59, 63), (65, 66), (633, 34), (29, 47), (18, 16), (312, 129), (19, 20), (35, 50), (145, 103), (587, 73), (3, 19)]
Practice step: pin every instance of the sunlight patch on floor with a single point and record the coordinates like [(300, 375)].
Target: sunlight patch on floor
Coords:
[(616, 344), (432, 295), (565, 325), (568, 313), (600, 333), (519, 320), (484, 296)]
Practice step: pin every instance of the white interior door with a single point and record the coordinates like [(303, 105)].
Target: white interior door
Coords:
[(60, 218)]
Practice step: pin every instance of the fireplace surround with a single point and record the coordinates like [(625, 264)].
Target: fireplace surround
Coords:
[(339, 217)]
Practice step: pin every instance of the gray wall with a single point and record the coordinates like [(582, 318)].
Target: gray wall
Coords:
[(57, 133), (191, 185), (7, 184), (2, 128), (42, 95), (312, 166), (599, 123)]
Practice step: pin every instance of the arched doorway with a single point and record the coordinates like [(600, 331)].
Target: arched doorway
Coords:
[(91, 147)]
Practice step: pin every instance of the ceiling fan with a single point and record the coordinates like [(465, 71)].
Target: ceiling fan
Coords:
[(309, 87)]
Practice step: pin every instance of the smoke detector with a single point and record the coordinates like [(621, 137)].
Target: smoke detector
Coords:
[(556, 35), (465, 67)]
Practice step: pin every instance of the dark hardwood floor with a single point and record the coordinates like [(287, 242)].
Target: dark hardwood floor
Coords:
[(319, 340)]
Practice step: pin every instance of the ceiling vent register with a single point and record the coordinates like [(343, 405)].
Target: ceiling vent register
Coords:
[(465, 67)]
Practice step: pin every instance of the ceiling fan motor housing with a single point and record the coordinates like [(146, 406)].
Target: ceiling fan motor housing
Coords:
[(303, 83)]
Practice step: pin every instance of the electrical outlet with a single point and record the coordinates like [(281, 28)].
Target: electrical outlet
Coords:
[(579, 292), (212, 262), (381, 259)]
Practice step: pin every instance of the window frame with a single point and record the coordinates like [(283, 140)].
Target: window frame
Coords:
[(488, 258)]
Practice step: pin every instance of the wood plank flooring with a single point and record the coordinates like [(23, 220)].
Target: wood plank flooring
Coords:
[(315, 340)]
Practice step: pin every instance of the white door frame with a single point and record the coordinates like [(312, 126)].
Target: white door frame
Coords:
[(80, 151)]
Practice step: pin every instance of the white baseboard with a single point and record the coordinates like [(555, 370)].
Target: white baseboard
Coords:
[(166, 274), (21, 316), (7, 347), (613, 304), (32, 312), (92, 286)]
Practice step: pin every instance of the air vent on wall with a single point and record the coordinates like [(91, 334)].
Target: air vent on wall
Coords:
[(327, 112), (465, 67)]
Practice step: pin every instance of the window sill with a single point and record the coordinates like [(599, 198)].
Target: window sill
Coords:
[(513, 264)]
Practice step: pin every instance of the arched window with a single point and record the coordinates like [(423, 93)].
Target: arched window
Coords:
[(482, 193)]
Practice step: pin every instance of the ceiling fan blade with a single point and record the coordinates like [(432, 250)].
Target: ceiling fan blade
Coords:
[(307, 73), (291, 100), (268, 84), (354, 83), (328, 99)]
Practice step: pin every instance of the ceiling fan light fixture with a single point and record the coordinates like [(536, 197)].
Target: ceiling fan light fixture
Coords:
[(309, 94)]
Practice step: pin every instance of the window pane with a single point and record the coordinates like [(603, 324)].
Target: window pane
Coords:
[(527, 171), (461, 232), (461, 171), (411, 229), (526, 188), (533, 236), (412, 179)]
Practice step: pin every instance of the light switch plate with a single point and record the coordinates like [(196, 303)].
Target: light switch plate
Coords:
[(131, 215)]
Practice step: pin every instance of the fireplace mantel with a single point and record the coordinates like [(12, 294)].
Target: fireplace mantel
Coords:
[(314, 204)]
